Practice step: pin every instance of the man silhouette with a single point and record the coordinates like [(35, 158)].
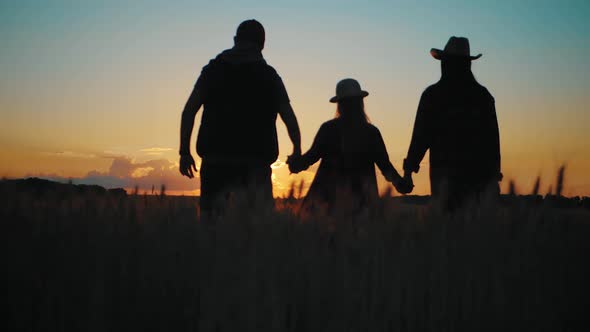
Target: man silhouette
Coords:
[(456, 120), (237, 139)]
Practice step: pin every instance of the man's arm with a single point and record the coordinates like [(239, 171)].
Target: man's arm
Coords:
[(187, 163), (290, 120)]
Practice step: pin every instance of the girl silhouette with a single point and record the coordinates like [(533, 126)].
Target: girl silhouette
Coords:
[(349, 147)]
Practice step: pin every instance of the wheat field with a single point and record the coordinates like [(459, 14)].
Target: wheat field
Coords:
[(93, 262)]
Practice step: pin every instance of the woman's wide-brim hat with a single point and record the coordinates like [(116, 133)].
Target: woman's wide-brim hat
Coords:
[(456, 48), (348, 88)]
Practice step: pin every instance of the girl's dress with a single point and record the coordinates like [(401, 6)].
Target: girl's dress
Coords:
[(349, 152)]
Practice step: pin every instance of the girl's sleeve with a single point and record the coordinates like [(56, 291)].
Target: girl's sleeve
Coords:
[(317, 150)]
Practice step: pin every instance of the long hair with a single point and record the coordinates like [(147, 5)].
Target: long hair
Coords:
[(354, 120), (352, 110), (457, 70)]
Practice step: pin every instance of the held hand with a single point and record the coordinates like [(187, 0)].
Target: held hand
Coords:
[(295, 163), (187, 165), (400, 185), (409, 183), (403, 185), (294, 159)]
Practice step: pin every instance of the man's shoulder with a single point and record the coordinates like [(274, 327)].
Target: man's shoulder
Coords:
[(220, 64), (271, 72), (211, 65), (270, 68), (217, 65)]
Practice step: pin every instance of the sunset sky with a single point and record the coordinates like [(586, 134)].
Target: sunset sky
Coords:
[(93, 90)]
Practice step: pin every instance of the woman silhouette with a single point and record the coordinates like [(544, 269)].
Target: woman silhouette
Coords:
[(456, 120), (349, 147)]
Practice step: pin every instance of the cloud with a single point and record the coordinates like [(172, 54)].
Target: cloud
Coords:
[(126, 173), (155, 151), (278, 164), (141, 172), (283, 181), (110, 154), (70, 154)]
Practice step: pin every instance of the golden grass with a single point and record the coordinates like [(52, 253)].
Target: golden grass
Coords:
[(149, 263)]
